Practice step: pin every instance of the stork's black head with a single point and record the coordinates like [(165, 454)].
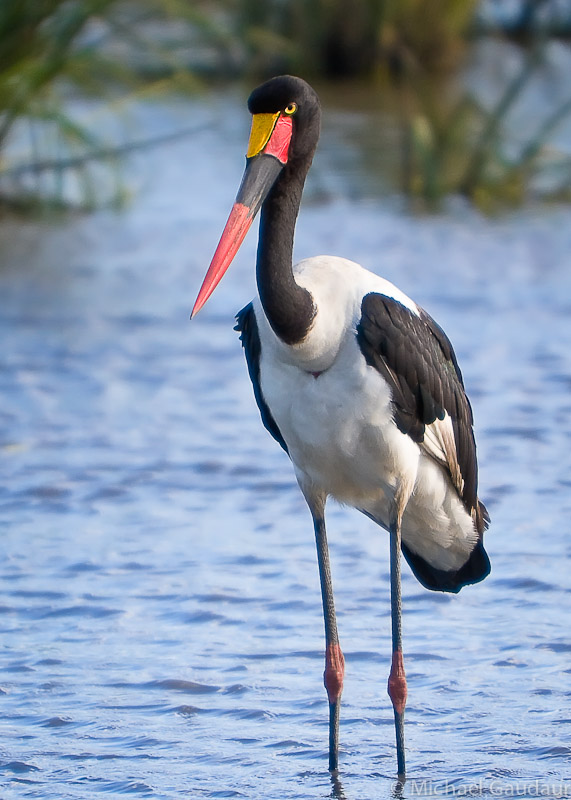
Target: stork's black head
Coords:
[(294, 97), (285, 129)]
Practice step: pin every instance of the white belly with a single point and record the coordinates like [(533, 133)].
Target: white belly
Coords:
[(339, 428)]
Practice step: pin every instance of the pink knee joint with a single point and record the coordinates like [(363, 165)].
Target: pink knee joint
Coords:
[(397, 682), (334, 672)]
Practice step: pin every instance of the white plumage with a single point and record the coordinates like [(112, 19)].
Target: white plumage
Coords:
[(336, 417)]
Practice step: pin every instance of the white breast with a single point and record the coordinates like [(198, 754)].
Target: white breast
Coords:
[(337, 287)]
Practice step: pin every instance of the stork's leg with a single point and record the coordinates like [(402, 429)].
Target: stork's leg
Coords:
[(397, 680), (334, 661)]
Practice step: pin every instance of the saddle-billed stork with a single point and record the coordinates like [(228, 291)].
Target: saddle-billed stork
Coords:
[(356, 382)]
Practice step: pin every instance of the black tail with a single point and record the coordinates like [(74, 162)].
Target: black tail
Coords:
[(439, 580)]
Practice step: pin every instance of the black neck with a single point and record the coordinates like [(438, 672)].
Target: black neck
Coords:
[(288, 307)]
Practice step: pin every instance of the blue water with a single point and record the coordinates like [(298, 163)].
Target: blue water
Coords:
[(161, 631)]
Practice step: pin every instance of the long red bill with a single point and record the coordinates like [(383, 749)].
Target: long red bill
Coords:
[(237, 227), (267, 156)]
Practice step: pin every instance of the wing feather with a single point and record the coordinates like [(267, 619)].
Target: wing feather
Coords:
[(416, 358), (250, 338)]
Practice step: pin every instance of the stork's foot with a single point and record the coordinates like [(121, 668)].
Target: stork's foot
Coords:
[(333, 680)]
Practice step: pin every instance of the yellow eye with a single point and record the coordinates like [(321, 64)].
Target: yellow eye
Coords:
[(291, 109)]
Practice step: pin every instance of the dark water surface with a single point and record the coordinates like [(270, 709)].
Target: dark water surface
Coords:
[(160, 606)]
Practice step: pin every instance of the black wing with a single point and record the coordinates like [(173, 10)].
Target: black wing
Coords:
[(250, 338), (416, 358)]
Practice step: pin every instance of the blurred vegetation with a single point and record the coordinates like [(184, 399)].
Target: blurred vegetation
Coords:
[(52, 51), (336, 38), (452, 144), (429, 39)]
